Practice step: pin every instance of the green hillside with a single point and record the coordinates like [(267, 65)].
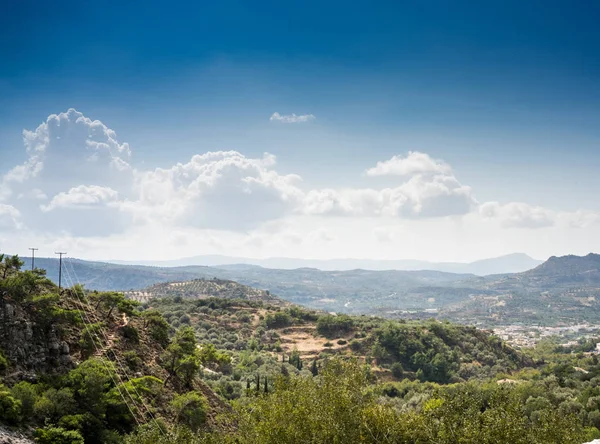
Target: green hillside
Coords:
[(96, 367)]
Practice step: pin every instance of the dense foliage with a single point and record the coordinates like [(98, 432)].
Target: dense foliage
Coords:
[(244, 371)]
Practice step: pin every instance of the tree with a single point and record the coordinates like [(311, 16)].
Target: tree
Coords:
[(181, 358), (190, 409), (57, 435)]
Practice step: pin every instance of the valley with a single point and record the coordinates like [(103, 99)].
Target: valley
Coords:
[(561, 291)]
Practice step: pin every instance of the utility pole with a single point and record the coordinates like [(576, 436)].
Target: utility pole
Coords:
[(60, 255), (33, 250)]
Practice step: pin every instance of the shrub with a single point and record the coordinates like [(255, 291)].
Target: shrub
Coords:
[(331, 326), (397, 370), (342, 342), (57, 435), (27, 393), (190, 409), (278, 320), (10, 408), (132, 360), (130, 333)]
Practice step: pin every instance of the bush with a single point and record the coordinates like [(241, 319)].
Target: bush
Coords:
[(132, 360), (57, 435), (342, 342), (330, 326), (27, 393), (54, 404), (10, 408), (130, 333), (190, 409), (397, 370), (278, 320)]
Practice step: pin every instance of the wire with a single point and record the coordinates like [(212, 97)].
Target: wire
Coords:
[(98, 350), (122, 367)]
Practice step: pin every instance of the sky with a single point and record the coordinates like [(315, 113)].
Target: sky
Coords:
[(440, 130)]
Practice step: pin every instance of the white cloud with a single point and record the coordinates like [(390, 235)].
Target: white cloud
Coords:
[(9, 217), (292, 118), (222, 189), (435, 194), (518, 215), (82, 197), (77, 186), (414, 162)]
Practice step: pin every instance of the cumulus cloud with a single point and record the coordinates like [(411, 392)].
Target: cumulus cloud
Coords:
[(414, 162), (222, 189), (518, 215), (523, 215), (291, 118), (82, 197), (429, 190), (77, 180)]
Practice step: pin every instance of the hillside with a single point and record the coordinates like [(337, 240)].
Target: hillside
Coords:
[(559, 291), (99, 368), (202, 289), (90, 366)]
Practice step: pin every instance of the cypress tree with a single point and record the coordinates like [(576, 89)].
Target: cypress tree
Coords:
[(313, 368), (266, 386)]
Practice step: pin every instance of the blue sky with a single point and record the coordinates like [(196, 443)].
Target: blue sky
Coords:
[(506, 93)]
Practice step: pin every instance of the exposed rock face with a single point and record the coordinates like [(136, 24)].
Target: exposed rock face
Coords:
[(9, 437), (34, 349)]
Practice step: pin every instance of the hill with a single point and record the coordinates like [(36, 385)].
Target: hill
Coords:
[(202, 289), (559, 291), (511, 263), (96, 367)]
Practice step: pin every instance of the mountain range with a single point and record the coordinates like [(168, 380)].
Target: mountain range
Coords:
[(511, 263), (561, 290)]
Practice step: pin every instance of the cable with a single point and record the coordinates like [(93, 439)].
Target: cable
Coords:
[(98, 350), (122, 367)]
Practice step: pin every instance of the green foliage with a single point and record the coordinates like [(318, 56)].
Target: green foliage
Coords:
[(132, 360), (10, 408), (336, 408), (190, 409), (397, 370), (4, 364), (58, 435), (108, 301), (27, 393), (54, 404), (209, 354), (157, 325), (90, 339), (130, 334), (90, 381), (181, 358), (278, 319), (331, 326)]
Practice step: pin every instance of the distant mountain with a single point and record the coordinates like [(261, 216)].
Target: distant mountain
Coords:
[(561, 290), (512, 263), (556, 273)]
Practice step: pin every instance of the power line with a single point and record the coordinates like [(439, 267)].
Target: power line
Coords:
[(83, 312), (33, 250), (120, 364), (60, 254)]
